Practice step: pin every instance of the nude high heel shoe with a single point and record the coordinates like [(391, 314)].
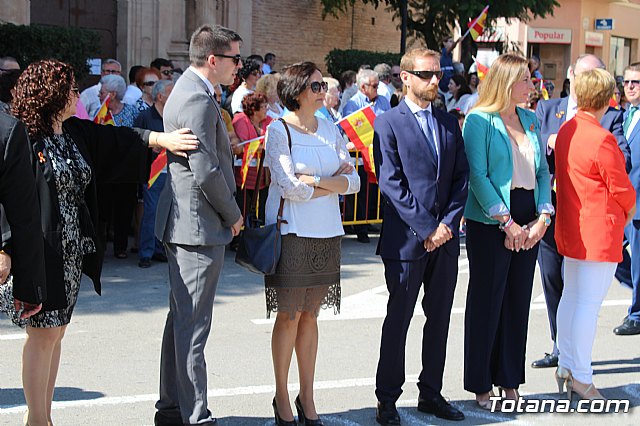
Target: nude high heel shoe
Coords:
[(562, 377)]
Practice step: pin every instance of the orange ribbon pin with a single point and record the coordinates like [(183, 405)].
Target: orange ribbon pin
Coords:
[(41, 158)]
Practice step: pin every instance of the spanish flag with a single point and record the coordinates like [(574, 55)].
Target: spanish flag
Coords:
[(250, 149), (359, 128), (482, 70), (613, 103), (157, 166), (104, 115), (477, 26), (544, 91)]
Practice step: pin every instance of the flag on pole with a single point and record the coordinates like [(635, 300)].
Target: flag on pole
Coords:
[(359, 128), (104, 115), (157, 166), (544, 91), (476, 27), (250, 149), (613, 103)]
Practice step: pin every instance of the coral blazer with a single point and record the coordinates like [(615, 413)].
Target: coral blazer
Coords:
[(594, 192)]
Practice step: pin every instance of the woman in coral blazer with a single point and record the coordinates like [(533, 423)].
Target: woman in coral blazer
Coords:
[(595, 200)]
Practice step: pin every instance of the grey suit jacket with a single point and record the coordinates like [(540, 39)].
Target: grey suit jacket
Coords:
[(197, 205)]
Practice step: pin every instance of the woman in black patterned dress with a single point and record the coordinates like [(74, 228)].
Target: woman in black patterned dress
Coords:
[(68, 156)]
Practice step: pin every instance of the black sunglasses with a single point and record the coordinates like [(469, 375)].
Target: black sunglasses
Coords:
[(426, 75), (75, 90), (235, 58), (317, 86), (148, 83), (630, 82), (396, 75), (167, 72)]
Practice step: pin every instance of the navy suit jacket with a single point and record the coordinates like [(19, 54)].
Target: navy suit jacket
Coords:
[(634, 176), (552, 114), (419, 191)]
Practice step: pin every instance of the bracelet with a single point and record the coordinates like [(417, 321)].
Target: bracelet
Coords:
[(508, 223)]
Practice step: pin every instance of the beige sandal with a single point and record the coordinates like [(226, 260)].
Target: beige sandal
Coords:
[(487, 404)]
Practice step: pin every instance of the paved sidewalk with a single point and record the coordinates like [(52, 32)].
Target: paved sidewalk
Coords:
[(109, 370)]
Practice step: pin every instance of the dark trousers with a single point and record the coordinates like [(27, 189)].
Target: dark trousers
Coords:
[(437, 272), (116, 203), (366, 205), (633, 234), (498, 299)]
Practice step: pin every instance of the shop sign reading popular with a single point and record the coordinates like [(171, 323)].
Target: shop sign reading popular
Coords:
[(549, 35)]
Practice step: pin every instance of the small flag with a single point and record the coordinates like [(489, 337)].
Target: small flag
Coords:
[(476, 27), (544, 91), (482, 70), (250, 149), (359, 128), (157, 166), (613, 103), (104, 115)]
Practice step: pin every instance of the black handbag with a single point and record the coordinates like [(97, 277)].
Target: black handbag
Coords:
[(259, 249)]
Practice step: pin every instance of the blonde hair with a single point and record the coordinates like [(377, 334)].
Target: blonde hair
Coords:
[(594, 89), (408, 59), (268, 83), (331, 83), (505, 71)]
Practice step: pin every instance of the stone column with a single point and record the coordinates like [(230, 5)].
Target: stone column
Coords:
[(137, 32), (15, 12), (240, 19)]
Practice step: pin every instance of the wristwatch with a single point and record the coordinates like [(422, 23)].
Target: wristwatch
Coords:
[(545, 219), (316, 181)]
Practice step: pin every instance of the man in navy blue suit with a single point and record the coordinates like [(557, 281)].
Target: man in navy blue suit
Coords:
[(423, 175), (631, 324), (552, 114)]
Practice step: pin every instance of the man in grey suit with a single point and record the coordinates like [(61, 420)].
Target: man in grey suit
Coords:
[(197, 216)]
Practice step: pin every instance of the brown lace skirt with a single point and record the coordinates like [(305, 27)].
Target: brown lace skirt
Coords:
[(307, 277)]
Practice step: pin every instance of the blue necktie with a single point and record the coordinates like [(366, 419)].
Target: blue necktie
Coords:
[(426, 129)]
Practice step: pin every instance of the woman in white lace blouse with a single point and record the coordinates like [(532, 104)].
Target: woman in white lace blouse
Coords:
[(309, 177)]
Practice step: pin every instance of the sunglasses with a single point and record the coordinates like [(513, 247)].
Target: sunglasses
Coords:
[(426, 75), (317, 86), (631, 82), (374, 86), (396, 75), (111, 72), (150, 83), (75, 90), (235, 58), (256, 73), (167, 72)]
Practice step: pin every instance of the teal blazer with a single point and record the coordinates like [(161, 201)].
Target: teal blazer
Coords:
[(488, 150)]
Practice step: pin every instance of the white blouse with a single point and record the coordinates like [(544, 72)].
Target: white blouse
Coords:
[(319, 154)]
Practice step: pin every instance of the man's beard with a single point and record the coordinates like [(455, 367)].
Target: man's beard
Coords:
[(429, 94)]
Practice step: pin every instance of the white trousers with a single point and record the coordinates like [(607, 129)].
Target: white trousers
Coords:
[(586, 284)]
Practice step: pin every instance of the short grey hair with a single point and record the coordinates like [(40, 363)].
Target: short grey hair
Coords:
[(364, 75), (111, 61), (160, 87), (383, 70), (114, 83)]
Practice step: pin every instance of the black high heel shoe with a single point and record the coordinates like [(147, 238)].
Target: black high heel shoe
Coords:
[(303, 419), (279, 420)]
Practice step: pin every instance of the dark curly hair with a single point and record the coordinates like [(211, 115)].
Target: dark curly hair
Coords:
[(249, 66), (252, 102), (293, 82), (42, 95)]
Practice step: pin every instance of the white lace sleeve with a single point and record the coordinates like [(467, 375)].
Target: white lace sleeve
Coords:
[(343, 154), (278, 158)]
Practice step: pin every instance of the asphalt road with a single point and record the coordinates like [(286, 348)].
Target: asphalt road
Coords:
[(109, 370)]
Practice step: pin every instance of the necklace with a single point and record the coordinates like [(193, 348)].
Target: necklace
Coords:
[(312, 129)]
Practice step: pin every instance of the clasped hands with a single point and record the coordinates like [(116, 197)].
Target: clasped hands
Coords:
[(524, 237), (441, 235)]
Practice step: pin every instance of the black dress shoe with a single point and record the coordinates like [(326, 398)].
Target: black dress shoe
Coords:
[(167, 419), (386, 414), (363, 238), (302, 418), (439, 407), (628, 327), (145, 262), (549, 360)]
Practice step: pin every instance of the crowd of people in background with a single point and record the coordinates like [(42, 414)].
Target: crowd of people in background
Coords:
[(437, 159)]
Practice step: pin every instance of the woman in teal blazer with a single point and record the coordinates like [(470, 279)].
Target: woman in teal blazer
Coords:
[(507, 211)]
